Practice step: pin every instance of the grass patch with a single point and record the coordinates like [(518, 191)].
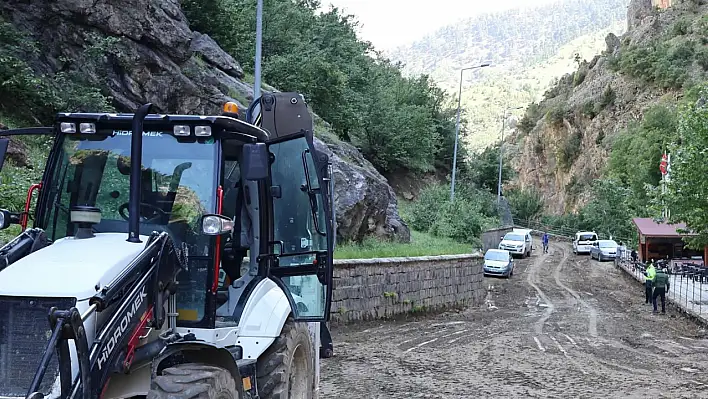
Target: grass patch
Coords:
[(422, 244)]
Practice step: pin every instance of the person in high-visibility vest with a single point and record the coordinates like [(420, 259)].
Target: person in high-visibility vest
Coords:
[(661, 287), (649, 274)]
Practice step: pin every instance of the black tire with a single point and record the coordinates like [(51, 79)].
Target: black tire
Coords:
[(194, 381), (286, 370)]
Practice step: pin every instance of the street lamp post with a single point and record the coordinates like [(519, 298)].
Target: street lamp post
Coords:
[(501, 145), (259, 40), (457, 126)]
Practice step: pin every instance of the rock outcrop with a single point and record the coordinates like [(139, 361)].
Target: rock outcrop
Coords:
[(364, 201), (637, 11), (16, 151), (587, 116), (151, 55)]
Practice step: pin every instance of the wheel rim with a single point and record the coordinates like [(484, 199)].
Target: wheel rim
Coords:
[(299, 376)]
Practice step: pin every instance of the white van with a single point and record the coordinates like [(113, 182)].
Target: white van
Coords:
[(584, 241), (517, 242)]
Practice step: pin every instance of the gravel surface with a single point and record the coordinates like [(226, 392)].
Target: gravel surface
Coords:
[(563, 326)]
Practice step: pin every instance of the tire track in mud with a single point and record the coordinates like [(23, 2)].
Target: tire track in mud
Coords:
[(494, 352), (592, 312), (532, 280)]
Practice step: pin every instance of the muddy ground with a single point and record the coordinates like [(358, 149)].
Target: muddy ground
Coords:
[(563, 326)]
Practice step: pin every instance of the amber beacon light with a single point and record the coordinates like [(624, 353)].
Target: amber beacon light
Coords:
[(231, 108)]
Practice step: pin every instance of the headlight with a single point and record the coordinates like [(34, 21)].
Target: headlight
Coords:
[(68, 127), (202, 131), (87, 128), (214, 225), (181, 130)]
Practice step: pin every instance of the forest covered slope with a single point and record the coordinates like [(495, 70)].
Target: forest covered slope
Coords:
[(528, 48), (590, 149)]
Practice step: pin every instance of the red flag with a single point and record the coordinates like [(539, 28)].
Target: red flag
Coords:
[(663, 164)]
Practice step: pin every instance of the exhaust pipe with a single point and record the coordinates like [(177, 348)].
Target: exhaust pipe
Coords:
[(136, 161)]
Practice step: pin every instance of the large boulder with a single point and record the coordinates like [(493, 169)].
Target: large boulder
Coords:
[(364, 201), (153, 56), (16, 150), (151, 53)]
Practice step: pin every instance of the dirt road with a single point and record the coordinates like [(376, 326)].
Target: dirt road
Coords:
[(562, 327)]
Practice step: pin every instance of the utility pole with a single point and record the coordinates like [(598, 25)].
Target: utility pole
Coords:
[(501, 146), (259, 40), (457, 126)]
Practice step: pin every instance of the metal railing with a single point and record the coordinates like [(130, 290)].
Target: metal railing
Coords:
[(563, 231), (688, 284)]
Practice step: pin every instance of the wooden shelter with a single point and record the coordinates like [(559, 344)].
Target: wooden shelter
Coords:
[(661, 240)]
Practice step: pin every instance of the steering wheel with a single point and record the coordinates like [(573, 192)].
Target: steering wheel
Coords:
[(157, 212)]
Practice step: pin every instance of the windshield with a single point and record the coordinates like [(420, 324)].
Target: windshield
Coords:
[(608, 244), (587, 237), (178, 186), (514, 237), (496, 255)]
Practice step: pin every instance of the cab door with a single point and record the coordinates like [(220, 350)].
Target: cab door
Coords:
[(303, 223)]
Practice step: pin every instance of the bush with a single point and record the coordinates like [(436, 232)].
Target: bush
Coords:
[(608, 97), (31, 96), (530, 118), (702, 58), (579, 77), (555, 115), (681, 27), (569, 151), (463, 220), (525, 204), (588, 109), (664, 63)]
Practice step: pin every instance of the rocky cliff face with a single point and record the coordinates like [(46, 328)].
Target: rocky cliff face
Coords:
[(570, 143), (151, 55)]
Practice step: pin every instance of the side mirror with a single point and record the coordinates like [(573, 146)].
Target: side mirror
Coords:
[(216, 225), (4, 143), (8, 218), (255, 161)]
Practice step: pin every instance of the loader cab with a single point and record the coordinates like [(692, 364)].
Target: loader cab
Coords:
[(297, 254), (197, 169)]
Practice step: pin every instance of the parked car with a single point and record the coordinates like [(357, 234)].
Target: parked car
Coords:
[(498, 262), (517, 242), (583, 241), (604, 249)]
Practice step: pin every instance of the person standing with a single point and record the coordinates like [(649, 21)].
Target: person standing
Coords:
[(661, 287), (649, 274), (545, 243)]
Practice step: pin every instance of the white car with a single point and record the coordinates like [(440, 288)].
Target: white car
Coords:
[(517, 242), (584, 241)]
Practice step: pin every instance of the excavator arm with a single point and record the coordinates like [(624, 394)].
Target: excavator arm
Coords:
[(29, 241)]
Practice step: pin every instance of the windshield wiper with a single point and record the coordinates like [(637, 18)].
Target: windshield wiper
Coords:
[(311, 194)]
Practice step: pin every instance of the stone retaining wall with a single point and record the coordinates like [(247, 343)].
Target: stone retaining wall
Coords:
[(367, 289)]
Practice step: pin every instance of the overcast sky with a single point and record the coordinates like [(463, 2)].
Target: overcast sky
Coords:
[(389, 23)]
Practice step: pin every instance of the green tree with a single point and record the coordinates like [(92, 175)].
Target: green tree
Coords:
[(525, 204), (687, 197), (484, 169), (398, 122), (463, 219), (634, 160), (608, 212)]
